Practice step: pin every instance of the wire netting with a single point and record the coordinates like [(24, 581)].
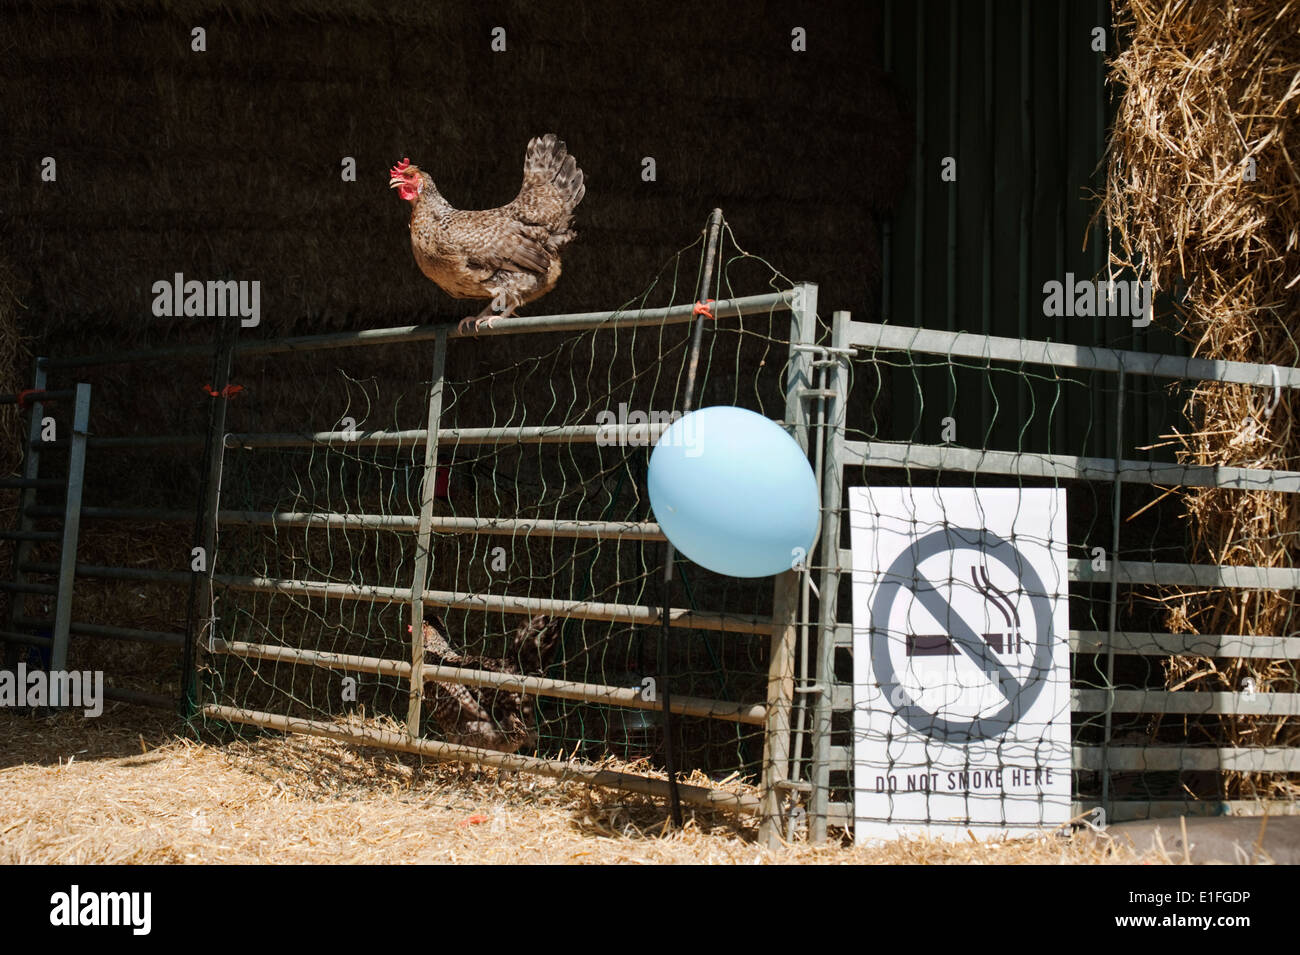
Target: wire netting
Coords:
[(555, 380), (1048, 418)]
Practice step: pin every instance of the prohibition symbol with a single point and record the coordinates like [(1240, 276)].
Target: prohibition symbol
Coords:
[(904, 574)]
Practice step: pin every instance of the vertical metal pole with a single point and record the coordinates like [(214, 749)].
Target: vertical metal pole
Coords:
[(1027, 187), (71, 527), (990, 192), (780, 695), (953, 149), (785, 597), (424, 541), (205, 610), (1100, 326), (803, 330), (1114, 593), (26, 501), (714, 231), (828, 606), (1064, 413), (887, 221), (806, 680), (919, 177)]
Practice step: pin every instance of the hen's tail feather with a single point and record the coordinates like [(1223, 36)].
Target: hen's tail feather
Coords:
[(548, 161)]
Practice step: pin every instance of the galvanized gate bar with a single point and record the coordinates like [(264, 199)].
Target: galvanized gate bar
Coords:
[(968, 345), (1130, 809), (22, 587), (631, 697), (534, 434), (1136, 572), (441, 523), (409, 334), (36, 483), (579, 610), (1186, 644), (929, 457), (82, 629), (1197, 575), (1181, 702), (29, 639), (1138, 759), (31, 535), (1185, 702), (538, 434)]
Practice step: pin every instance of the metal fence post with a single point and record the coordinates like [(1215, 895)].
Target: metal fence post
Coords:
[(425, 536), (1113, 610), (206, 522), (780, 696), (68, 545), (785, 598), (828, 605)]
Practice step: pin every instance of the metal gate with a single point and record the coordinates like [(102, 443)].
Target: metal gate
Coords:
[(1099, 697), (767, 637)]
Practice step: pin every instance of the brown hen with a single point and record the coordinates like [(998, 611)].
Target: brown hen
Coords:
[(509, 255), (484, 716)]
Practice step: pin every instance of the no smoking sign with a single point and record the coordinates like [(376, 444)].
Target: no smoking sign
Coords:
[(979, 662), (961, 664)]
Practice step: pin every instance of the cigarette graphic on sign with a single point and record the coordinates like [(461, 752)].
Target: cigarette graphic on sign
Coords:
[(941, 644)]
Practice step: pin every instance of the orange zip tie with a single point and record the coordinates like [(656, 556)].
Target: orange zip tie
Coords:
[(227, 392), (702, 308)]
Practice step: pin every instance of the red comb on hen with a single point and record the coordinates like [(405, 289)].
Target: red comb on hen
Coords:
[(400, 168)]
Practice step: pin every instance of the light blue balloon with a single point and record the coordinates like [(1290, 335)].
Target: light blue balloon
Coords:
[(734, 493)]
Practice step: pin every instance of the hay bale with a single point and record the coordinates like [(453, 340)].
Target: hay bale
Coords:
[(14, 365), (1203, 191)]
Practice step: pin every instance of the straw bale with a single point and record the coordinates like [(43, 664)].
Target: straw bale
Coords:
[(1203, 199)]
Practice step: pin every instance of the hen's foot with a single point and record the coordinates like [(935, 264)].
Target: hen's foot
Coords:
[(485, 318)]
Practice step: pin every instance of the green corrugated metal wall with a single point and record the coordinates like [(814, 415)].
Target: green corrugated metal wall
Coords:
[(1015, 93)]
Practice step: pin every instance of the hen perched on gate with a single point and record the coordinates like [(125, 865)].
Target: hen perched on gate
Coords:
[(483, 716), (510, 255)]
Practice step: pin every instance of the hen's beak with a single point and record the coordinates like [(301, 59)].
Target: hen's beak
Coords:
[(396, 181)]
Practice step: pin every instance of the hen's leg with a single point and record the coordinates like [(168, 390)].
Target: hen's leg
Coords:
[(508, 303), (503, 305), (471, 323)]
